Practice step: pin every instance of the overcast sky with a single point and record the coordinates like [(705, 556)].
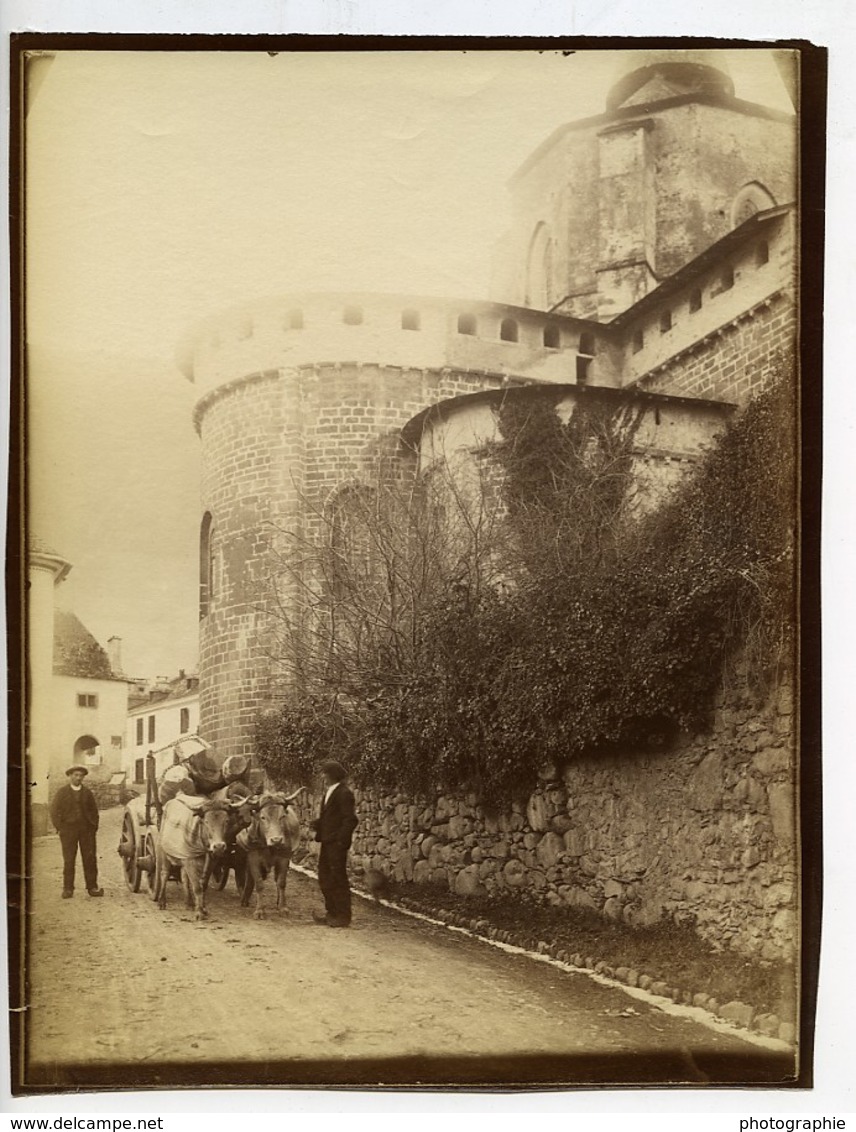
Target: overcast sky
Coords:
[(165, 185)]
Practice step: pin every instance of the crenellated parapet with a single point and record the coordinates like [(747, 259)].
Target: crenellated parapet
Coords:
[(714, 329), (394, 330)]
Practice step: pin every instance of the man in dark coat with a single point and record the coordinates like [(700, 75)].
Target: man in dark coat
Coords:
[(75, 815), (334, 828)]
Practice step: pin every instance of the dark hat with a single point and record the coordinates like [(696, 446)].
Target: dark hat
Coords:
[(72, 769), (335, 770)]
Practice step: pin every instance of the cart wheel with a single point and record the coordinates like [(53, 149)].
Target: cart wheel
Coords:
[(240, 868), (152, 875), (128, 853)]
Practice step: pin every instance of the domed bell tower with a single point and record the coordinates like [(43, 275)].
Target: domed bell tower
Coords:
[(616, 203)]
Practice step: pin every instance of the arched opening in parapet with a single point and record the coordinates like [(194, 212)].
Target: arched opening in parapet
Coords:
[(352, 316), (206, 564), (552, 337), (294, 319), (508, 330), (762, 253), (753, 197), (466, 324), (87, 751), (539, 268), (695, 300), (411, 320)]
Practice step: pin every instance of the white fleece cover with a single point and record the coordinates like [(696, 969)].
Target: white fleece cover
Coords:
[(180, 834)]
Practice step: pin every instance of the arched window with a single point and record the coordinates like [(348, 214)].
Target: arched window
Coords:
[(410, 320), (665, 322), (206, 565), (552, 337), (353, 536), (294, 320), (352, 316), (539, 266), (466, 324), (508, 330), (587, 344), (753, 197)]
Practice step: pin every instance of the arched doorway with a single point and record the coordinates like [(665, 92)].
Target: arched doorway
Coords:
[(87, 751)]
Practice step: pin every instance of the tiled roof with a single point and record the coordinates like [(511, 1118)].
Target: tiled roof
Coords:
[(177, 688), (38, 545), (76, 651)]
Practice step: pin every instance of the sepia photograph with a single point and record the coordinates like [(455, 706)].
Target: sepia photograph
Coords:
[(416, 530)]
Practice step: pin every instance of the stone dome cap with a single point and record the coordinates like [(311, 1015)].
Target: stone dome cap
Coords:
[(43, 555), (679, 72)]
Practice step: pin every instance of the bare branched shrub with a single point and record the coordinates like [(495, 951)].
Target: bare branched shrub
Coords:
[(511, 606)]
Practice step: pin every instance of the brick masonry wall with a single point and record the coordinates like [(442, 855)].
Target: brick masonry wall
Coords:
[(245, 439), (734, 363), (704, 834), (276, 446)]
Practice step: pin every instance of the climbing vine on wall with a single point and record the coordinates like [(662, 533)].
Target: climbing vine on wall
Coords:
[(598, 628)]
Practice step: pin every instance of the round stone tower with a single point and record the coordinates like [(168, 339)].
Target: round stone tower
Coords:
[(297, 394)]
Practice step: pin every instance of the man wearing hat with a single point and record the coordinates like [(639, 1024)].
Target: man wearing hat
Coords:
[(334, 828), (75, 815)]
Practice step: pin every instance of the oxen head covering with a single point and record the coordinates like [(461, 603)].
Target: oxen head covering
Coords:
[(77, 766), (335, 770)]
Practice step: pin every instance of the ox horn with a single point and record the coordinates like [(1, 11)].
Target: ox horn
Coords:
[(299, 790)]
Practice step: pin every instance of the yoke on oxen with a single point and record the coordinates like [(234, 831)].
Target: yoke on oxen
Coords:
[(189, 768)]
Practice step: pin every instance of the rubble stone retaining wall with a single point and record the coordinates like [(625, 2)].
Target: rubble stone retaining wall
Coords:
[(702, 834)]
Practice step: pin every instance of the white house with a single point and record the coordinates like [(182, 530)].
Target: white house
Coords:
[(77, 703), (157, 717)]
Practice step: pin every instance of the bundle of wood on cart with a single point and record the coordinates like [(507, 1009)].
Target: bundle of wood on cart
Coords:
[(200, 774), (195, 772)]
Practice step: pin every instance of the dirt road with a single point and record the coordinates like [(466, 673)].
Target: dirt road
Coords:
[(124, 995)]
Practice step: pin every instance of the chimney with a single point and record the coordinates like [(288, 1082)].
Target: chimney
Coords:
[(114, 654)]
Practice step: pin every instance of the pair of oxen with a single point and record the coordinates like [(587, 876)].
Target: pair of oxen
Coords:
[(197, 832)]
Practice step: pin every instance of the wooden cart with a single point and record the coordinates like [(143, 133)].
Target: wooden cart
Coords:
[(141, 825)]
